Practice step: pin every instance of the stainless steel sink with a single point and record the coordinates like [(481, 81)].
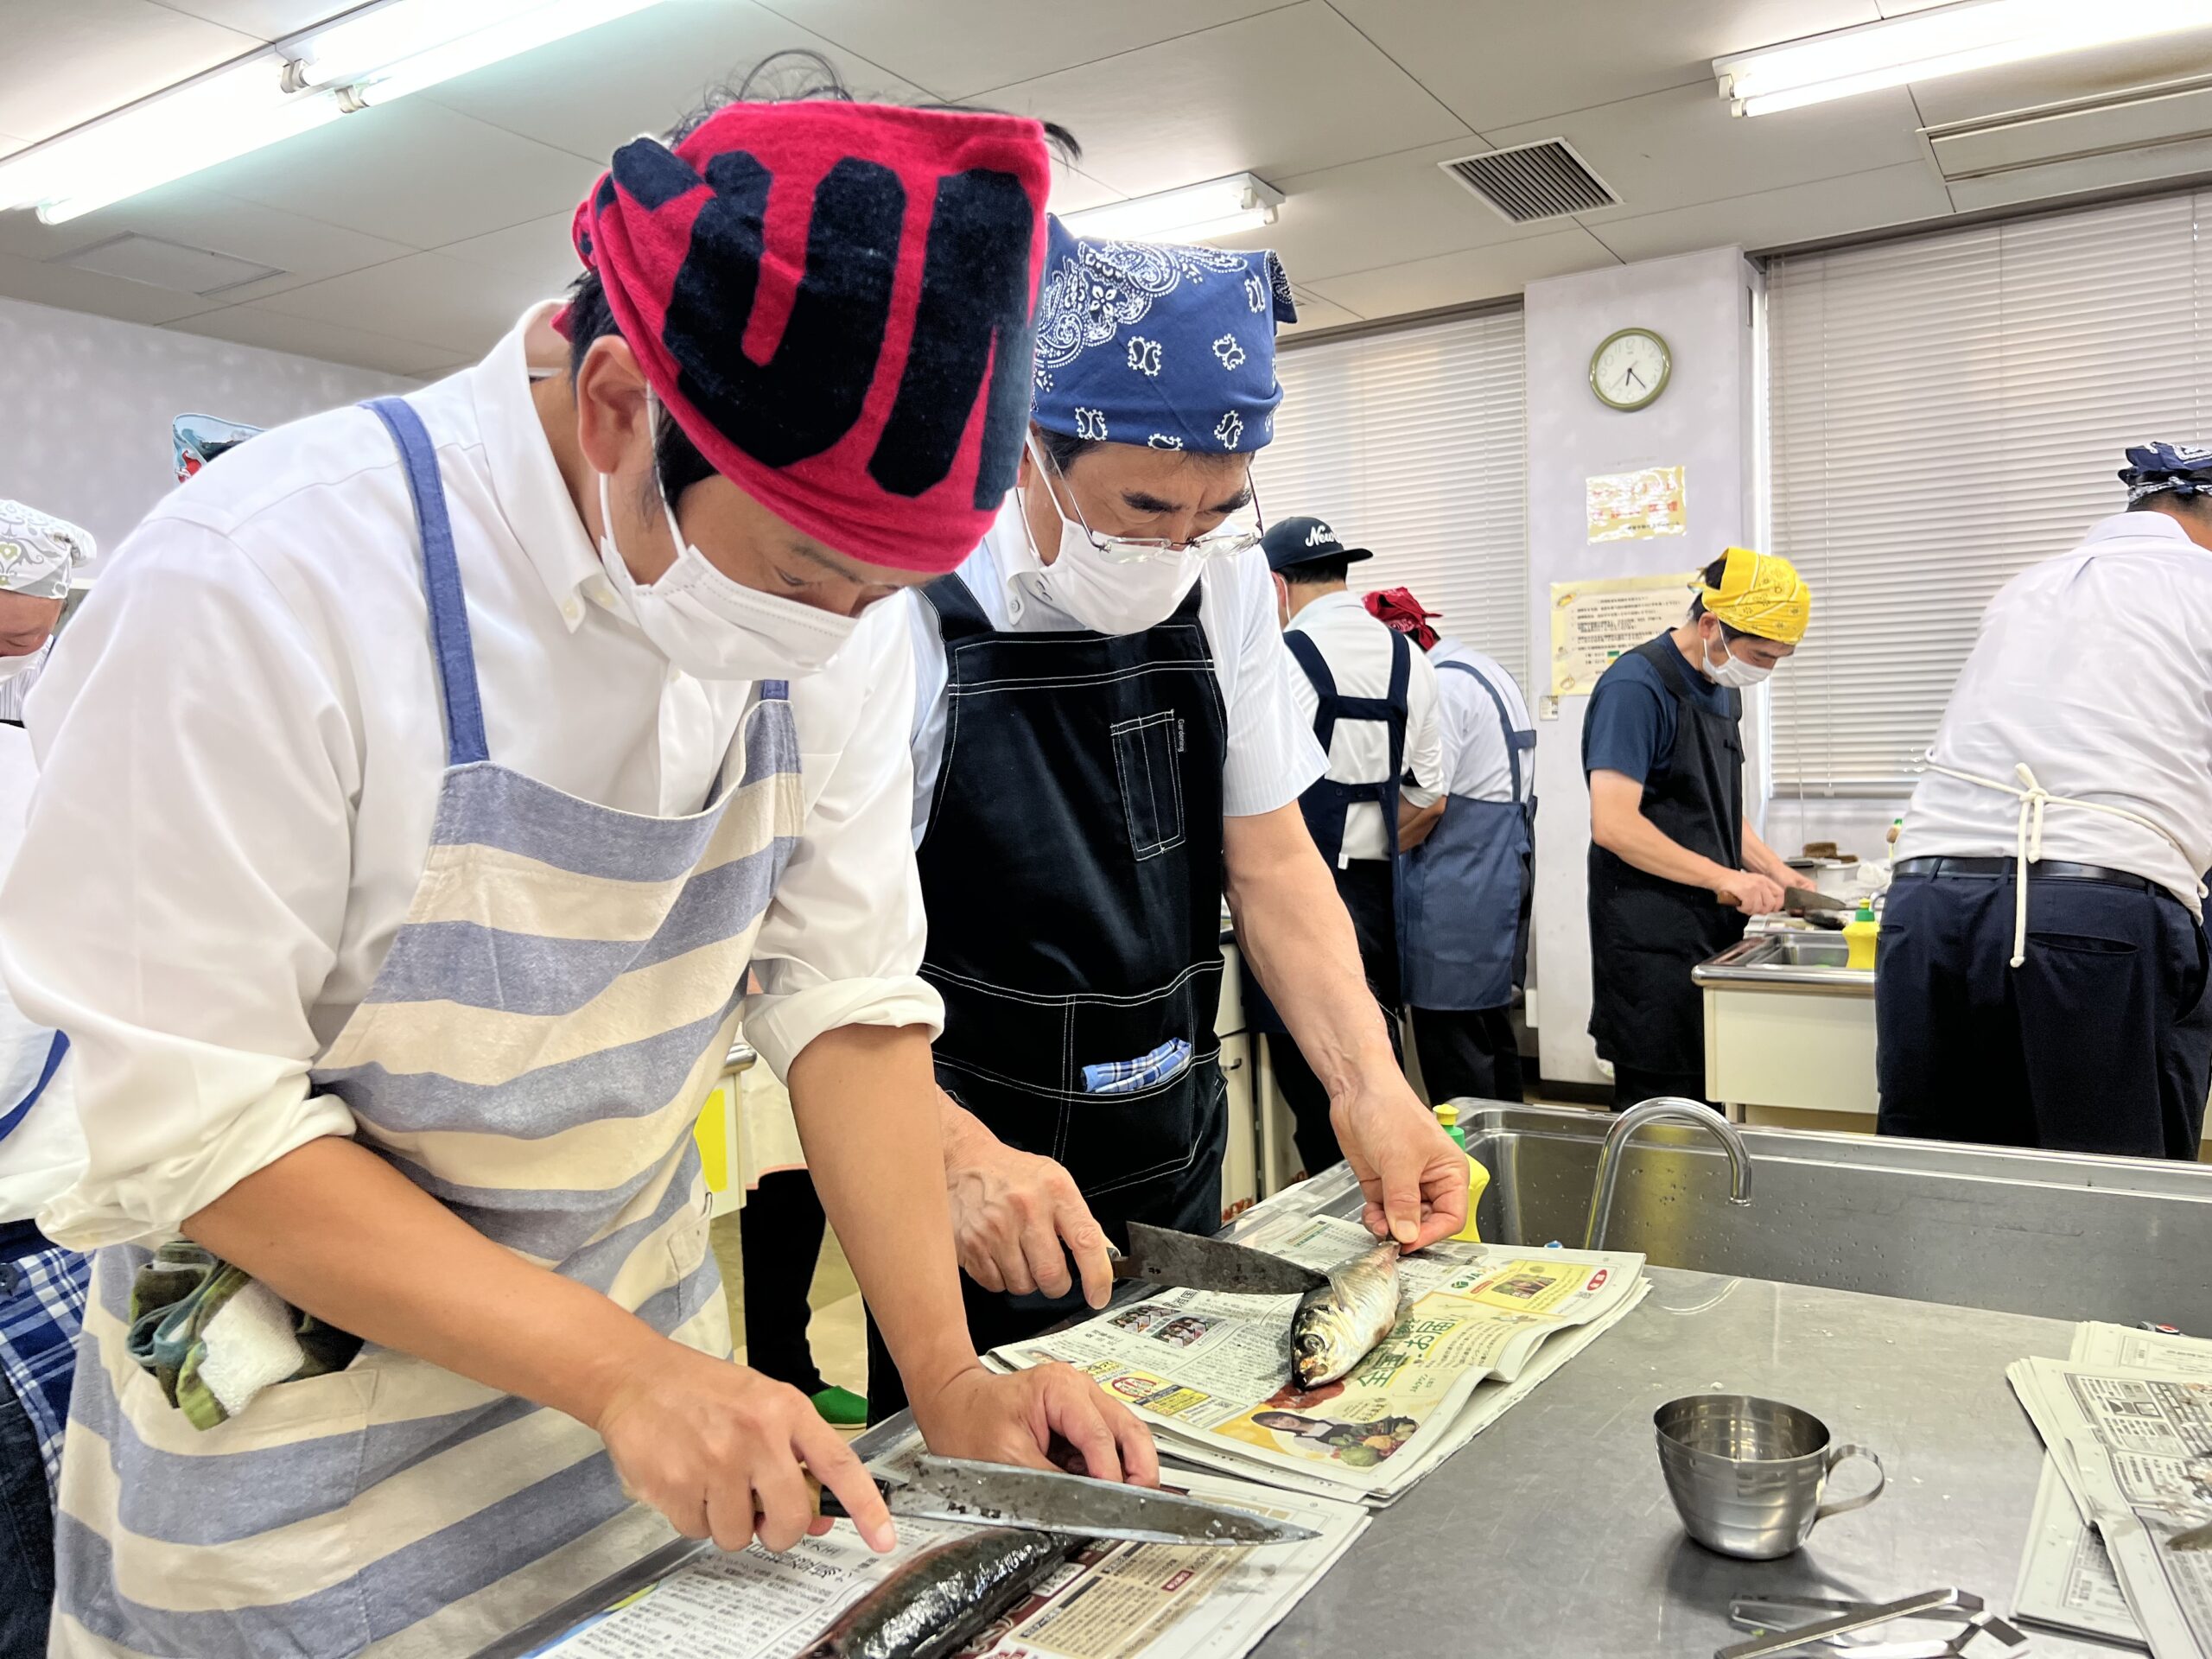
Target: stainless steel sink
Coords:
[(1795, 959), (2121, 1239)]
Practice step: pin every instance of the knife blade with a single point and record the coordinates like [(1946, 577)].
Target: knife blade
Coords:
[(1158, 1256), (1044, 1500), (1800, 900)]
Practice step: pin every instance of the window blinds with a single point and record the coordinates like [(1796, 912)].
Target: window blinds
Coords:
[(1413, 443), (1944, 412)]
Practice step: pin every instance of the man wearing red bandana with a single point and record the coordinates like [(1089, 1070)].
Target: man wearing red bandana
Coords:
[(503, 728)]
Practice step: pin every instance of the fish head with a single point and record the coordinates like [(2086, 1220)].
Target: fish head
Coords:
[(1317, 1343)]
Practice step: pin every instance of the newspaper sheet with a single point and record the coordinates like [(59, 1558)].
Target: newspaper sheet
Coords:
[(2134, 1446), (2067, 1579), (1211, 1372), (1109, 1601)]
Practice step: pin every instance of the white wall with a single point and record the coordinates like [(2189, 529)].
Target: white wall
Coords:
[(87, 435), (1702, 304)]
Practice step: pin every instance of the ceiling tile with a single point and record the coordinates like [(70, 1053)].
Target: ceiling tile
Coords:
[(1234, 98), (1671, 149), (456, 308), (1073, 189), (2050, 80), (268, 20), (250, 325), (1771, 219), (1499, 62), (304, 250), (958, 49), (598, 90), (541, 249), (1316, 313), (88, 290), (1458, 278), (1334, 220), (69, 62), (411, 172)]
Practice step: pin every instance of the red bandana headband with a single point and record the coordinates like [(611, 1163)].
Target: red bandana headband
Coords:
[(1398, 610), (835, 302)]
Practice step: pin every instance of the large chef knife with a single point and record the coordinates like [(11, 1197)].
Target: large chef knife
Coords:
[(1044, 1500), (1798, 901), (1158, 1256)]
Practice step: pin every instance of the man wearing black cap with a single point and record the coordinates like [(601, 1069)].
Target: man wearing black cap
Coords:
[(2041, 980), (1372, 699)]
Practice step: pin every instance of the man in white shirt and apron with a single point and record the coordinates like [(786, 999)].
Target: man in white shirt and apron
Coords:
[(1371, 699), (1106, 741), (415, 791), (2041, 975), (42, 1285), (1464, 891)]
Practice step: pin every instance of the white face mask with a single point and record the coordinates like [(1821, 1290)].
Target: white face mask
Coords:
[(11, 666), (714, 628), (1106, 595), (1732, 669)]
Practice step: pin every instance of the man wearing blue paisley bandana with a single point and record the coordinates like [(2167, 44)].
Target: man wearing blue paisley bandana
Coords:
[(1105, 744)]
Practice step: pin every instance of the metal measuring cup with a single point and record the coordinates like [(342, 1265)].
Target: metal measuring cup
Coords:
[(1747, 1474)]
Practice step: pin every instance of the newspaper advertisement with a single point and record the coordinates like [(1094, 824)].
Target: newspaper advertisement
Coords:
[(2135, 1448), (1212, 1371), (1107, 1601)]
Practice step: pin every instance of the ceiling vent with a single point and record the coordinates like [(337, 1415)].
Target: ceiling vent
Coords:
[(172, 265), (1527, 183)]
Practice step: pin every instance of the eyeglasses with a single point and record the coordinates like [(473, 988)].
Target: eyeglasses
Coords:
[(1224, 540)]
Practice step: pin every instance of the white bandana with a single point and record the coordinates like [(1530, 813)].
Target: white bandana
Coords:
[(38, 551)]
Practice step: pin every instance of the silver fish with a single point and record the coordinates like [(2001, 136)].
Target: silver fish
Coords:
[(932, 1604), (1339, 1323)]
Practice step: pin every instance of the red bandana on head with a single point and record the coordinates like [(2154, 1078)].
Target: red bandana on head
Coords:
[(1397, 609), (835, 302)]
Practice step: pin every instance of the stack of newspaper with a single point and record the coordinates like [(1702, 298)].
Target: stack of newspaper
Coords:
[(1109, 1601), (1479, 1326), (2127, 1424)]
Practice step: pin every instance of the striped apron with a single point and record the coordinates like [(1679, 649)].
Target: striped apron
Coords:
[(533, 1053)]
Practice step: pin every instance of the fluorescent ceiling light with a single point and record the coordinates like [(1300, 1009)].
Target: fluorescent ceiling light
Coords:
[(1943, 40), (1192, 213), (369, 56)]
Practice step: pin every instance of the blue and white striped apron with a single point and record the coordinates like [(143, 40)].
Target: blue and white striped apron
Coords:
[(533, 1053)]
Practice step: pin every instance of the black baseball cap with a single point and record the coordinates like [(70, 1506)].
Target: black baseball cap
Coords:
[(1298, 540)]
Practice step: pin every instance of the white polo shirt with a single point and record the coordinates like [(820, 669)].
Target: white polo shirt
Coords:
[(2096, 669), (1272, 756), (1357, 650), (1476, 765)]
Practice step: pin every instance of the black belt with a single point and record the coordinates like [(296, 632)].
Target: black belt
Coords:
[(2043, 869)]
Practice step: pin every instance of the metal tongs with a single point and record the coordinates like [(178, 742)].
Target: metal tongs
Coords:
[(1786, 1624)]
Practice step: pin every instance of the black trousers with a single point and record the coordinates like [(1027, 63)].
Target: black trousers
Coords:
[(26, 1534), (780, 1232), (1365, 885), (1468, 1053), (1632, 1087), (2100, 1041)]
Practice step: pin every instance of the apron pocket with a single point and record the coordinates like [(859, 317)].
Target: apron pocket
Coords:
[(1147, 762), (1117, 1141)]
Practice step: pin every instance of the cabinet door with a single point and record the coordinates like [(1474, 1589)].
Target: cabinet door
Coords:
[(1240, 1168)]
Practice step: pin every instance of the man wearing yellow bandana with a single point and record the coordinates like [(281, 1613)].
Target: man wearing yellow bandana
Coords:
[(1675, 866)]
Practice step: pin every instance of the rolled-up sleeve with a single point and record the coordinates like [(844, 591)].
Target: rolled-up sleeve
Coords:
[(1424, 736), (182, 882), (1273, 756), (842, 939)]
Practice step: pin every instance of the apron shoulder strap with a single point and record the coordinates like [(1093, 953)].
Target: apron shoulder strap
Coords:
[(1325, 684), (958, 615), (1516, 741), (22, 1109), (465, 741), (1401, 672)]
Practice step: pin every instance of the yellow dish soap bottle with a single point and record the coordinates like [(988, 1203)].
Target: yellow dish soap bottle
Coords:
[(1860, 935), (1447, 1116)]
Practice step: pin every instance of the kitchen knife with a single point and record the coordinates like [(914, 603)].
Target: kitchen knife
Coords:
[(1157, 1255), (1797, 900), (1044, 1500)]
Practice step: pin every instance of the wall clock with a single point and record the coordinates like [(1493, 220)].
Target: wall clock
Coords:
[(1629, 369)]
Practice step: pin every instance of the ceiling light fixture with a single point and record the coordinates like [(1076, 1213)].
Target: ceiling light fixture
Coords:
[(369, 56), (1196, 213), (1946, 40)]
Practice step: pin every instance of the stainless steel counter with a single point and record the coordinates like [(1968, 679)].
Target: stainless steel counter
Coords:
[(1793, 960)]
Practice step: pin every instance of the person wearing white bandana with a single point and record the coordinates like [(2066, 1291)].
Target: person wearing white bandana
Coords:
[(2042, 975), (42, 562)]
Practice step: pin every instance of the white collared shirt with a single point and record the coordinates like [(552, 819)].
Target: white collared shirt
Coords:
[(1357, 650), (46, 1151), (1272, 756), (1476, 766), (242, 743), (2096, 669)]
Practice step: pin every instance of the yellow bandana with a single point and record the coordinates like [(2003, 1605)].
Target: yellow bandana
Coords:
[(1761, 594)]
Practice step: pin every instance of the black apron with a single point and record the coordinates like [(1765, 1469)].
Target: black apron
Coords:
[(1646, 933), (1073, 874), (1324, 806)]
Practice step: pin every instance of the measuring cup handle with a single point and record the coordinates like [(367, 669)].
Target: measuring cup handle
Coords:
[(1840, 1454)]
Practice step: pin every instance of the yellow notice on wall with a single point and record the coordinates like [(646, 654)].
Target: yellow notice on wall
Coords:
[(1593, 622), (1636, 506)]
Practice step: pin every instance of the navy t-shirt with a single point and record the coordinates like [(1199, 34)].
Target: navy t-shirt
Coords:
[(1630, 725)]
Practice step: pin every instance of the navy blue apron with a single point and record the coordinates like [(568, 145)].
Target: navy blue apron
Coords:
[(1325, 804), (22, 1110), (1464, 894)]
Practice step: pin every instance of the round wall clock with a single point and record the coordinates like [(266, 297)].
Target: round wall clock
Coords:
[(1629, 369)]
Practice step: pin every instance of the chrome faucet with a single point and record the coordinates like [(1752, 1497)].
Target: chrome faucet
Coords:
[(1668, 1108)]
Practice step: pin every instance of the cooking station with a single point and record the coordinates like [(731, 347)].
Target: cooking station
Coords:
[(1883, 1286)]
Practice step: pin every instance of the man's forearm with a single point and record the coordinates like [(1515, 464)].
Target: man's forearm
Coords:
[(868, 1110), (1293, 928), (337, 1231)]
